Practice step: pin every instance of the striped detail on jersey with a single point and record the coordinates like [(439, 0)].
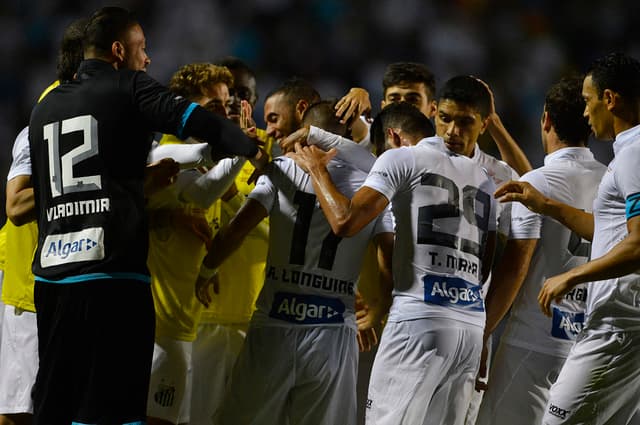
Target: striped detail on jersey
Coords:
[(185, 116), (632, 205), (98, 276)]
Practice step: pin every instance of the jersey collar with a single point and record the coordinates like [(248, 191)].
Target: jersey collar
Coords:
[(626, 138)]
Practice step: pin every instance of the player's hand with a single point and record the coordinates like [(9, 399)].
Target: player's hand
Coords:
[(300, 136), (259, 162), (311, 158), (553, 290), (203, 293), (368, 318), (353, 104), (367, 339), (481, 378), (159, 175), (523, 192), (246, 115)]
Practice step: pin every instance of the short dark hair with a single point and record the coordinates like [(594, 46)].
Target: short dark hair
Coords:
[(235, 64), (401, 115), (617, 72), (565, 106), (296, 89), (409, 72), (468, 91), (105, 26), (322, 114), (70, 53)]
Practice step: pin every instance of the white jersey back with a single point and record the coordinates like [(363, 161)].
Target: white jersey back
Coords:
[(311, 273), (615, 303), (500, 172), (571, 176), (443, 208)]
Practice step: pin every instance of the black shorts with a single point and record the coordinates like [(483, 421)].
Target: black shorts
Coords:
[(95, 342)]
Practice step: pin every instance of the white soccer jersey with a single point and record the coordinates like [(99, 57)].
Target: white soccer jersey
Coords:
[(311, 274), (443, 207), (614, 303), (21, 165), (571, 176), (501, 173)]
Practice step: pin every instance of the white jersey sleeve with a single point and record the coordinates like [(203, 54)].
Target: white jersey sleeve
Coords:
[(628, 180), (526, 224), (21, 164), (357, 155), (265, 191), (390, 172), (188, 155), (209, 187)]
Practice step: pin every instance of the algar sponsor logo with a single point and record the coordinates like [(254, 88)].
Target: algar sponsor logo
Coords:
[(307, 309), (84, 245), (452, 291)]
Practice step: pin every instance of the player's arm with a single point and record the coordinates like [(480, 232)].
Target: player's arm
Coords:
[(507, 278), (21, 204), (621, 260), (578, 221), (355, 154), (226, 242), (510, 152), (351, 107), (346, 216)]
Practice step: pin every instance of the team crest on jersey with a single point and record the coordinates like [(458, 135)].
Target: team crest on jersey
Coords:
[(165, 395), (566, 325), (306, 309), (85, 245), (452, 291)]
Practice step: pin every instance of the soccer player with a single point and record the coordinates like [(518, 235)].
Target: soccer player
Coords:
[(533, 347), (445, 232), (180, 220), (224, 323), (599, 381), (92, 246), (19, 348), (299, 361)]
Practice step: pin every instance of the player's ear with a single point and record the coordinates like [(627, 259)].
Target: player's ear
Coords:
[(546, 121), (301, 106), (118, 51), (393, 138)]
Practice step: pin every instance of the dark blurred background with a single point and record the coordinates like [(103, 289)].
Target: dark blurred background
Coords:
[(519, 47)]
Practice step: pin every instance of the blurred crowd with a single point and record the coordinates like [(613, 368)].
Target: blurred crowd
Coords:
[(519, 47)]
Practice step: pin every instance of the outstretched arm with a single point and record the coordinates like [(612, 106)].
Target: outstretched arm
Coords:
[(225, 243), (579, 221), (622, 259), (346, 216)]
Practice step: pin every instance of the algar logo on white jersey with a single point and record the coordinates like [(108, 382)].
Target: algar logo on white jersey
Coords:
[(306, 309), (566, 325), (452, 291), (85, 245)]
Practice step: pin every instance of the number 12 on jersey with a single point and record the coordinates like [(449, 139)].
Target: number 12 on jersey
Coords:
[(61, 176)]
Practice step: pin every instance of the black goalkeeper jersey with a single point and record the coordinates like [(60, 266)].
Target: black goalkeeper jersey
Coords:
[(89, 142)]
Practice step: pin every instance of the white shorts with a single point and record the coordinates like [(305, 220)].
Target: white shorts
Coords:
[(424, 373), (170, 385), (215, 351), (293, 376), (519, 385), (599, 382), (18, 360)]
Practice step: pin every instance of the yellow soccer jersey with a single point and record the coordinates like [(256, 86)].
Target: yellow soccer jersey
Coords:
[(241, 276), (3, 245), (177, 234), (17, 286)]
